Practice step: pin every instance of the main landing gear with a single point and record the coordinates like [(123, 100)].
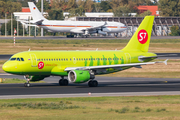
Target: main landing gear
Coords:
[(27, 78), (93, 83), (63, 82)]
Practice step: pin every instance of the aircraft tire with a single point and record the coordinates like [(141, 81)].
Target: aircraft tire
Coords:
[(93, 83), (63, 82), (26, 84), (90, 83)]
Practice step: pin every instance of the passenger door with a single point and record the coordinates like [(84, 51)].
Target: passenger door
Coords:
[(33, 60), (128, 58)]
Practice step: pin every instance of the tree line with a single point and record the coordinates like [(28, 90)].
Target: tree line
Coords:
[(120, 8), (79, 7)]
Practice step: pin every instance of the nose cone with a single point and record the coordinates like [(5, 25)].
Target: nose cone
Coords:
[(10, 67), (5, 67)]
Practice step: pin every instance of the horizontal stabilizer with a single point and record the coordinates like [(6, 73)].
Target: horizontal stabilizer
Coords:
[(143, 58)]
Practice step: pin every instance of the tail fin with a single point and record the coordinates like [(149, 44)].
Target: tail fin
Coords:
[(141, 38), (37, 16)]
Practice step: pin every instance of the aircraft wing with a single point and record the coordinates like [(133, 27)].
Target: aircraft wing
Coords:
[(96, 27), (81, 30), (113, 66)]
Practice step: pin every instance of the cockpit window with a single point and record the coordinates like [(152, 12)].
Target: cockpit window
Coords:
[(12, 59), (18, 59), (22, 59)]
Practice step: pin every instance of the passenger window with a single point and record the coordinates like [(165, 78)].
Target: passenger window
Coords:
[(22, 59), (66, 59), (18, 59)]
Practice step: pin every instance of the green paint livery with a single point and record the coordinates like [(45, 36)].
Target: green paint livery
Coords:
[(75, 64)]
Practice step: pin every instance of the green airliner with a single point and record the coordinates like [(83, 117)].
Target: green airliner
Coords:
[(82, 66)]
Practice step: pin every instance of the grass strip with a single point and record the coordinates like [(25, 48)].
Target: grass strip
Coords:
[(16, 80), (84, 41), (131, 107)]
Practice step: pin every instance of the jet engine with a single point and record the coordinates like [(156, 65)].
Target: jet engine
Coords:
[(101, 32), (79, 76)]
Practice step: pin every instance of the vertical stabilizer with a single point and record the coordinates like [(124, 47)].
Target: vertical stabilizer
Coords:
[(141, 38), (35, 12)]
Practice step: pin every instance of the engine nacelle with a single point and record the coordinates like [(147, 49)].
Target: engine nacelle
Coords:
[(101, 32), (79, 76)]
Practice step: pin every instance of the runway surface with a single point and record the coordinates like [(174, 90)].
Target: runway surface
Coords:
[(108, 86), (89, 38), (162, 56)]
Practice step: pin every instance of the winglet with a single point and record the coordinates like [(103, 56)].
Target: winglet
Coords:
[(165, 62)]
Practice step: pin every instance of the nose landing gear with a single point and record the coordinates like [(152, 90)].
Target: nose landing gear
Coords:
[(27, 78)]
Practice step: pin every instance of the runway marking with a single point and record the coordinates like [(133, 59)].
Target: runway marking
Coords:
[(134, 85), (92, 95)]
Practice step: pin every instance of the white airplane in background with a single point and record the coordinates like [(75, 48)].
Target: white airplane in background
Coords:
[(76, 27)]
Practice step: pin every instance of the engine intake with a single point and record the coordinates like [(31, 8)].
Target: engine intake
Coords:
[(79, 76)]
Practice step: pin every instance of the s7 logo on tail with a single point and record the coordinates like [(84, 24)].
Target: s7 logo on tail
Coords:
[(142, 36)]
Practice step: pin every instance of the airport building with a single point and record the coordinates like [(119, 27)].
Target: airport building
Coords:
[(161, 25)]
